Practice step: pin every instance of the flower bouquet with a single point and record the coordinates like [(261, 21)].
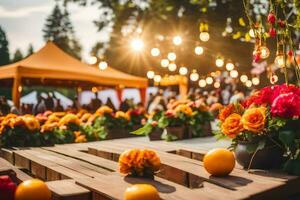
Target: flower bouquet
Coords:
[(264, 129)]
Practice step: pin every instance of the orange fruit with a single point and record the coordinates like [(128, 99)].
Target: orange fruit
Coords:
[(141, 192), (34, 189), (219, 162)]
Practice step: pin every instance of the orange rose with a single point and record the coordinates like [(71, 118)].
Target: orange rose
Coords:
[(104, 110), (225, 112), (232, 125), (254, 119)]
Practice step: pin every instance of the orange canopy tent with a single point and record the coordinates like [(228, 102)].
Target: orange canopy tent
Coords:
[(52, 66), (179, 80)]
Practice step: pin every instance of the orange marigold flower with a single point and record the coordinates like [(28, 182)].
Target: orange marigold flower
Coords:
[(104, 110), (31, 122), (183, 108), (232, 125), (48, 127), (80, 139), (69, 119), (121, 114)]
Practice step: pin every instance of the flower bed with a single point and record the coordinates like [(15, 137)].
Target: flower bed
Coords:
[(59, 127)]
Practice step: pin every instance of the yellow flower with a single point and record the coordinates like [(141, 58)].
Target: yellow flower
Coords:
[(254, 119), (31, 122), (69, 119), (183, 108), (104, 110), (81, 113), (85, 117), (53, 118), (232, 125), (121, 114), (80, 139)]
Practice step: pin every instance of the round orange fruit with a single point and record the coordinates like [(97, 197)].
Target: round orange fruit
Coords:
[(219, 162), (141, 192), (34, 189)]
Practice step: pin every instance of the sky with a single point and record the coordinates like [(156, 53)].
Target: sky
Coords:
[(23, 21)]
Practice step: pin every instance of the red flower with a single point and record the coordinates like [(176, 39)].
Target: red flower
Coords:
[(271, 18), (154, 123), (272, 32), (286, 105), (170, 113)]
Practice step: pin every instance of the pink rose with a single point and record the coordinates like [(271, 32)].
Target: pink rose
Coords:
[(286, 105)]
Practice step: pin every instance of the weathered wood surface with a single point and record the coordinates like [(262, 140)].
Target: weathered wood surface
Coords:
[(90, 171)]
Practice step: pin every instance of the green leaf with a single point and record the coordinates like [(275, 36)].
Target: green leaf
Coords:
[(292, 167), (287, 137), (145, 130)]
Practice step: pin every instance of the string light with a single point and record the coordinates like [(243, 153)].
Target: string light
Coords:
[(252, 33), (234, 74), (273, 79), (172, 67), (92, 60), (229, 66), (150, 74), (199, 50), (255, 81), (219, 62), (155, 52), (204, 36), (94, 89), (264, 52), (102, 65), (172, 56), (137, 44), (279, 61), (202, 83), (248, 83), (157, 78), (177, 40), (209, 80), (164, 63), (244, 78), (217, 84), (194, 76), (183, 70)]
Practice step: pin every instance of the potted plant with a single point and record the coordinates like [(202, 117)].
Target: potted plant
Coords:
[(264, 129)]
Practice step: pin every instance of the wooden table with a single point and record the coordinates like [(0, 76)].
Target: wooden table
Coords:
[(90, 171)]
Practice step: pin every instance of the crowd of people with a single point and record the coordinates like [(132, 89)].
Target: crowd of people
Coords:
[(157, 101)]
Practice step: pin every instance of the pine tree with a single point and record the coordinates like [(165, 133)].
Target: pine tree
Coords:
[(30, 50), (59, 29), (4, 52), (17, 56)]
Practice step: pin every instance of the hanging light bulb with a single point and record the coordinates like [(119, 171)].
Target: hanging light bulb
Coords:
[(194, 76), (183, 70), (150, 74), (279, 61), (137, 44), (273, 79), (92, 60), (264, 52), (102, 65), (252, 33), (164, 63), (204, 36), (177, 40), (217, 84), (157, 78), (202, 83), (219, 62), (209, 80), (199, 50), (155, 52), (172, 67), (244, 78), (255, 81), (229, 66), (172, 56), (248, 83), (234, 74)]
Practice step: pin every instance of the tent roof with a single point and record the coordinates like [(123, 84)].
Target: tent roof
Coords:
[(51, 62)]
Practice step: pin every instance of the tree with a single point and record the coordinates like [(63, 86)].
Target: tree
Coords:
[(4, 52), (59, 29), (17, 56), (30, 50)]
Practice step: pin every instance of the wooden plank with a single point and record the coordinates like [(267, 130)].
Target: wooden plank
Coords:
[(8, 155), (68, 190)]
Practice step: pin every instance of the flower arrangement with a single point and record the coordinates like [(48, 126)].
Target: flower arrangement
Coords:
[(138, 162), (181, 118), (269, 119)]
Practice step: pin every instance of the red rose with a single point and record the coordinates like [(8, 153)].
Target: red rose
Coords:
[(286, 105)]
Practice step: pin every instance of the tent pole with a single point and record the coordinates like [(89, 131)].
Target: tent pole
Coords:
[(16, 92), (143, 95), (183, 88)]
